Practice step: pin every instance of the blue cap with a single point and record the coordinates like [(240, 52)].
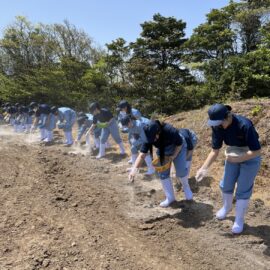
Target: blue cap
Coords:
[(122, 104), (151, 130), (217, 113), (93, 106)]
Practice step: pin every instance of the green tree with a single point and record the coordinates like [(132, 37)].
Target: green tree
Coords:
[(156, 66)]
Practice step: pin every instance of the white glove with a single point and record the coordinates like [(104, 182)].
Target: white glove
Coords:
[(132, 174), (201, 173)]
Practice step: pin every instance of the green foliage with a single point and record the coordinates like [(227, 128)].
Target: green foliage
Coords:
[(256, 110), (226, 58)]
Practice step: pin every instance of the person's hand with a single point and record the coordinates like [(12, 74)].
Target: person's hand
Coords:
[(234, 159), (201, 173), (132, 175)]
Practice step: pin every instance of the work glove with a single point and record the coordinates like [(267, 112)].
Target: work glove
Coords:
[(201, 173)]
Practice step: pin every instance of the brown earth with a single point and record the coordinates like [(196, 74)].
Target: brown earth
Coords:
[(62, 209)]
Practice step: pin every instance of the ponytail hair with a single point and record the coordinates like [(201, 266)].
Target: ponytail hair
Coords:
[(229, 108), (162, 142)]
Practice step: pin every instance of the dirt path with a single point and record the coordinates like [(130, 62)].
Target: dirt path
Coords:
[(63, 210)]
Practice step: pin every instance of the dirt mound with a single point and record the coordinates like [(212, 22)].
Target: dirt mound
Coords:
[(62, 209)]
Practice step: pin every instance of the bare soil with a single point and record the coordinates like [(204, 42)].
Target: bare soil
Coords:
[(62, 209)]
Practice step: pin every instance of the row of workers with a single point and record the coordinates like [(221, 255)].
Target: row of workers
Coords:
[(173, 146)]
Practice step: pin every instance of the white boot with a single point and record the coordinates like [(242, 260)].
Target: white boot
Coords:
[(169, 192), (70, 139), (240, 210), (43, 134), (49, 136), (122, 149), (186, 188), (28, 128), (97, 142), (133, 159), (101, 153), (16, 128), (227, 206), (150, 167), (66, 137), (87, 140), (108, 145), (188, 164)]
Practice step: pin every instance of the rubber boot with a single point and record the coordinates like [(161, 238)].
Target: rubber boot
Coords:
[(186, 188), (87, 140), (188, 164), (70, 138), (97, 142), (101, 153), (43, 134), (49, 136), (150, 167), (108, 145), (240, 210), (133, 159), (122, 148), (28, 128), (66, 137), (227, 206), (169, 192)]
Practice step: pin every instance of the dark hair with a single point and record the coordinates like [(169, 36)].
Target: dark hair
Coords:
[(93, 106), (54, 109), (125, 120), (161, 140), (229, 111), (129, 109)]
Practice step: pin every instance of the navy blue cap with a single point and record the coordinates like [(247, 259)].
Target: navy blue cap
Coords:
[(122, 104), (81, 119), (93, 106), (151, 130), (217, 113), (33, 105), (54, 109)]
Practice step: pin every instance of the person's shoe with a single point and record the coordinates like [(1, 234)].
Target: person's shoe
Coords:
[(150, 168), (101, 153), (240, 210), (186, 188), (122, 149), (150, 171), (227, 206), (169, 192)]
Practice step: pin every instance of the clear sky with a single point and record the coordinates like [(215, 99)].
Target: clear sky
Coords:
[(106, 20)]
